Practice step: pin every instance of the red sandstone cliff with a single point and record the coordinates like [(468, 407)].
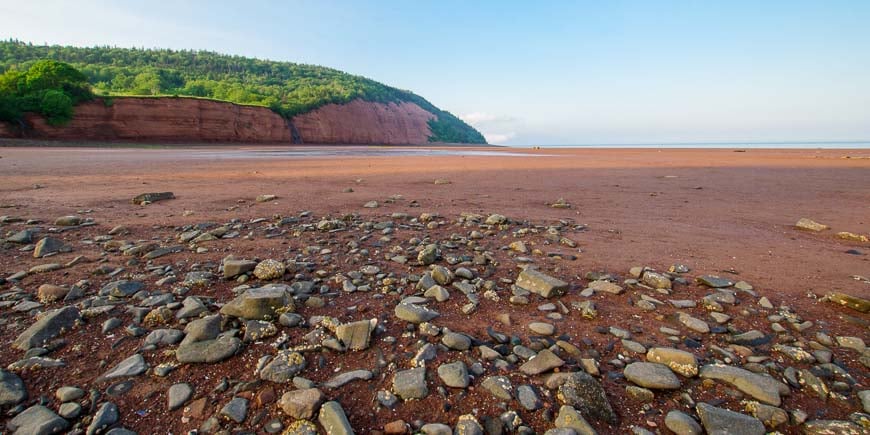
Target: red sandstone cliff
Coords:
[(195, 120), (361, 122)]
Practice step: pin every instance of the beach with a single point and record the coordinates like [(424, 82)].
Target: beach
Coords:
[(724, 212)]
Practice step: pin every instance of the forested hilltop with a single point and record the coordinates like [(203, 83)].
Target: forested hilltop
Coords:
[(286, 88)]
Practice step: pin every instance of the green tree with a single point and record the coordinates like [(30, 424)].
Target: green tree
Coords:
[(56, 106)]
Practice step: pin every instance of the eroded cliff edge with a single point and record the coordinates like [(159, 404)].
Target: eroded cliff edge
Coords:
[(168, 119)]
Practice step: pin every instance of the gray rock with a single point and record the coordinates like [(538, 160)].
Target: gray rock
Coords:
[(456, 341), (68, 394), (541, 284), (542, 328), (722, 421), (206, 328), (714, 281), (437, 292), (105, 416), (543, 362), (411, 384), (528, 398), (681, 423), (656, 280), (69, 410), (692, 323), (584, 393), (236, 410), (302, 404), (190, 307), (679, 361), (467, 424), (178, 395), (164, 337), (283, 367), (342, 379), (414, 313), (12, 389), (234, 268), (260, 303), (122, 288), (428, 255), (498, 386), (49, 326), (256, 330), (865, 400), (22, 237), (571, 419), (454, 374), (652, 375), (436, 429), (37, 420), (356, 335), (48, 246), (830, 427), (134, 365), (333, 419), (208, 351), (762, 388)]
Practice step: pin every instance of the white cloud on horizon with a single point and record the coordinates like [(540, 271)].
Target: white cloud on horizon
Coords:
[(499, 138), (481, 118)]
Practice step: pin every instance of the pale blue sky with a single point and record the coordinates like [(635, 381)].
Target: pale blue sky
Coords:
[(537, 72)]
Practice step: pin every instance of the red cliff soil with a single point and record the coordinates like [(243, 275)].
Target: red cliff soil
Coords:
[(194, 120), (361, 122)]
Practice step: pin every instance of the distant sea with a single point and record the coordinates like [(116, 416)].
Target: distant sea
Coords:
[(865, 144)]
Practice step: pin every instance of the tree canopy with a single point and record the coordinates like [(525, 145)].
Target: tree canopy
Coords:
[(285, 87), (47, 87)]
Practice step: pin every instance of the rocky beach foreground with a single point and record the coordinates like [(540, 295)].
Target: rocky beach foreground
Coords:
[(540, 291)]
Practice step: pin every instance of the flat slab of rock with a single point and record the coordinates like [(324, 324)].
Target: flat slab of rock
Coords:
[(356, 335), (722, 421), (302, 404), (342, 379), (152, 197), (411, 384), (679, 361), (260, 303), (853, 302), (49, 245), (134, 365), (208, 351), (37, 420), (762, 388), (49, 326), (570, 418), (178, 395), (652, 375), (714, 281), (234, 268), (809, 225), (544, 361), (283, 367), (414, 313), (541, 283), (12, 389), (334, 420)]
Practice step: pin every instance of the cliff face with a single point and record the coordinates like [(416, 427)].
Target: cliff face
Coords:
[(195, 120), (361, 122)]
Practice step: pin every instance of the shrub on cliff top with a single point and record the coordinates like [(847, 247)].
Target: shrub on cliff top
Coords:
[(47, 87)]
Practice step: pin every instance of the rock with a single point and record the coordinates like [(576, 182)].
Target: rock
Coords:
[(498, 386), (68, 221), (694, 324), (48, 293), (855, 343), (544, 361), (302, 404), (178, 395), (49, 326), (467, 424), (68, 394), (414, 313), (234, 268), (12, 389), (656, 280), (865, 400), (269, 270), (151, 197), (652, 375), (454, 374), (236, 410), (639, 394), (853, 302), (37, 420), (436, 429), (437, 292), (810, 225), (605, 286), (542, 328), (208, 351), (164, 337), (69, 410), (263, 303), (206, 328), (256, 330), (852, 237), (428, 255), (265, 198), (763, 388), (541, 284), (122, 288), (831, 427), (583, 392), (411, 384), (495, 219), (106, 416), (679, 361), (22, 237), (456, 341), (569, 418), (714, 281), (771, 416), (722, 421), (528, 398), (134, 365), (49, 245), (283, 367), (333, 419), (341, 379), (356, 335), (681, 423)]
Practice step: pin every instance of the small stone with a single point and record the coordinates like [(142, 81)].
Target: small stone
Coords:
[(262, 303), (498, 386), (49, 245), (656, 280), (544, 361), (68, 394), (334, 420), (682, 424), (718, 420), (714, 281), (639, 394), (236, 410), (694, 324), (541, 284), (234, 268), (414, 313), (763, 388), (810, 225), (571, 419), (178, 395), (105, 416), (454, 374), (679, 361), (265, 198), (542, 328), (37, 420), (652, 375), (528, 398), (283, 367), (411, 384), (269, 269), (12, 389), (134, 365), (456, 341), (302, 404), (853, 302)]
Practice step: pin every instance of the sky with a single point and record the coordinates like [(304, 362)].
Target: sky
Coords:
[(537, 73)]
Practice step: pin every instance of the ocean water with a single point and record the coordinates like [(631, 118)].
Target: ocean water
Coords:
[(865, 144)]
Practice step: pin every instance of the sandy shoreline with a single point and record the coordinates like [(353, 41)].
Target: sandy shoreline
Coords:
[(718, 211)]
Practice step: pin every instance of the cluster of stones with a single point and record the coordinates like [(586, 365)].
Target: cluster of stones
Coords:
[(539, 375)]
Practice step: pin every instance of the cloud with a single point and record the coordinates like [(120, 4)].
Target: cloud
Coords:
[(480, 118), (499, 138)]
